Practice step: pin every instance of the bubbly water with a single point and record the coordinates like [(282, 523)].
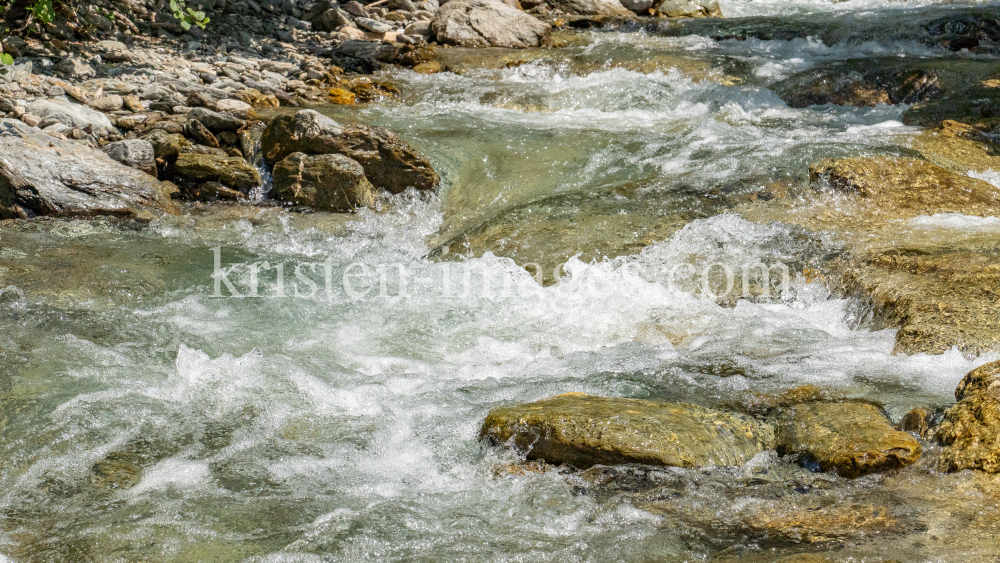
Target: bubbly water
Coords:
[(146, 419)]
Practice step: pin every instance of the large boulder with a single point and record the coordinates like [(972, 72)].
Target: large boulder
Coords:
[(73, 115), (487, 23), (582, 430), (389, 163), (134, 153), (849, 438), (970, 432), (327, 182), (591, 7), (231, 171), (43, 175)]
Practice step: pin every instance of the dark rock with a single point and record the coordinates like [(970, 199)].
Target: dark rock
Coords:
[(42, 175), (231, 171), (841, 84), (327, 182), (389, 163), (197, 131)]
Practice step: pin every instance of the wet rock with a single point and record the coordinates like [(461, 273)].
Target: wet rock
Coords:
[(213, 191), (216, 122), (115, 472), (817, 524), (484, 23), (231, 171), (867, 85), (341, 97), (851, 439), (72, 115), (389, 163), (688, 9), (916, 421), (907, 186), (197, 131), (42, 175), (583, 431), (970, 431), (965, 31), (591, 7), (327, 182), (135, 153)]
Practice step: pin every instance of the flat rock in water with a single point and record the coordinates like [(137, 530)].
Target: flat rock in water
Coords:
[(389, 163), (582, 430), (688, 9), (908, 187), (231, 171), (970, 432), (851, 439), (42, 175), (487, 23)]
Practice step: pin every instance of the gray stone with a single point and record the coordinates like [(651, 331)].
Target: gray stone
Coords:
[(166, 146), (43, 175), (638, 6), (487, 23), (135, 153), (689, 9), (420, 28), (74, 68), (374, 26), (355, 8), (326, 182), (330, 20), (72, 115), (591, 7)]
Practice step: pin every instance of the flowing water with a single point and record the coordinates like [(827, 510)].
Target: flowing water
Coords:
[(144, 418)]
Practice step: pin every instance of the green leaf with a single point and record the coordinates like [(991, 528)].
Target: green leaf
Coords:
[(173, 6), (185, 25), (199, 15), (6, 59)]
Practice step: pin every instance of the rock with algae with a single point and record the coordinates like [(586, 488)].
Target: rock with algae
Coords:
[(850, 438), (970, 432), (583, 430)]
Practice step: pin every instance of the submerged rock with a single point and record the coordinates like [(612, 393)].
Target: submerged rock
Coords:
[(869, 85), (328, 182), (851, 439), (389, 163), (42, 175), (582, 430), (904, 186), (970, 432), (231, 171), (487, 23)]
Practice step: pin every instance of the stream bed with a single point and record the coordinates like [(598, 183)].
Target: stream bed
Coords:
[(150, 414)]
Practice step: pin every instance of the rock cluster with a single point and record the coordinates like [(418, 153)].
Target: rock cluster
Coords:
[(851, 439), (970, 432)]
